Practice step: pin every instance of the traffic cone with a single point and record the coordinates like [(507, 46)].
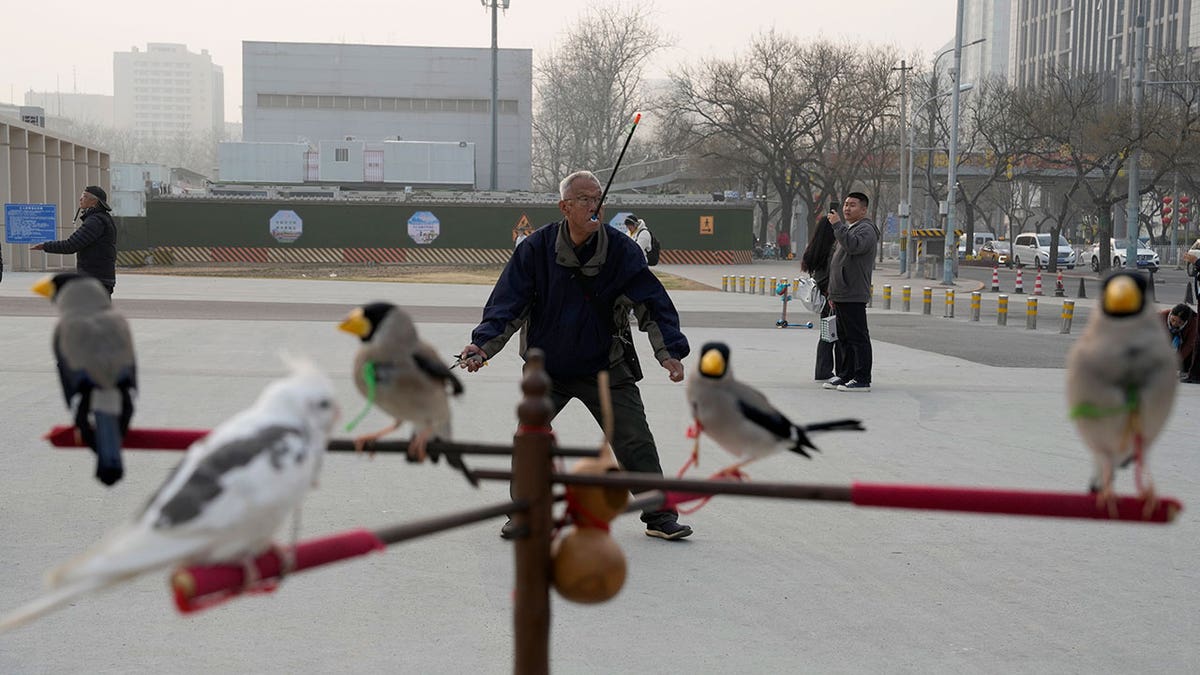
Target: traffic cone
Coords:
[(1082, 289), (1020, 285), (1059, 291), (1037, 284), (995, 279)]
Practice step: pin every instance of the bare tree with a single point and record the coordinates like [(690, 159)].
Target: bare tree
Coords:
[(587, 91)]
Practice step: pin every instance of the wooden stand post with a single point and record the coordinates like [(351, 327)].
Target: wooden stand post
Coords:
[(532, 467)]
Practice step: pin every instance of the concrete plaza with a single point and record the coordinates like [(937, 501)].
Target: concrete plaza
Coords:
[(764, 586)]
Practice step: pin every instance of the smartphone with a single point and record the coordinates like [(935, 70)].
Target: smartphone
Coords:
[(832, 207)]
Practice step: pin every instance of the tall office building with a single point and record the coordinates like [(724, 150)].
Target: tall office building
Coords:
[(1093, 36), (310, 93), (167, 92), (990, 21)]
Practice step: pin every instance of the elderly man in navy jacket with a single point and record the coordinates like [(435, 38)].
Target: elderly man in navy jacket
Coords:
[(569, 289)]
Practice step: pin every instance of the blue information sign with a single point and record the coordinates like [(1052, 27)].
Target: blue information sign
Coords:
[(29, 223)]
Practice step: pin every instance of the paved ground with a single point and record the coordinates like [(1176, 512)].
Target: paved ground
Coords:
[(763, 586)]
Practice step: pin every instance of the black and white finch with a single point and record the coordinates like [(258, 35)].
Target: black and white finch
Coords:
[(96, 366), (1121, 381), (739, 417), (401, 375)]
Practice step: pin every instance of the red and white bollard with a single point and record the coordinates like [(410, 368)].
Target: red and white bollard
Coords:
[(1037, 284), (1019, 287), (995, 279), (1059, 291)]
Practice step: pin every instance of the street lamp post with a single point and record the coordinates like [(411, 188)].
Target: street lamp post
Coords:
[(1135, 156), (907, 207), (912, 151), (496, 6), (952, 170)]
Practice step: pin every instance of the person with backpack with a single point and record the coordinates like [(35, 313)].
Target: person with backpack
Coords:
[(641, 234)]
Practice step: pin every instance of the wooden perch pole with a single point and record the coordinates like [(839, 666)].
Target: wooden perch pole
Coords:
[(880, 495), (532, 466), (181, 439)]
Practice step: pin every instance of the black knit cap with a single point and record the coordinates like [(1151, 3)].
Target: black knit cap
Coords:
[(99, 193)]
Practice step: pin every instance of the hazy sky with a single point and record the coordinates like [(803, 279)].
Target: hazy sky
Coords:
[(55, 44)]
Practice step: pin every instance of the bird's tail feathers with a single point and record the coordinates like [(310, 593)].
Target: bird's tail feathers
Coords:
[(51, 600), (800, 440), (124, 553), (108, 447), (836, 425)]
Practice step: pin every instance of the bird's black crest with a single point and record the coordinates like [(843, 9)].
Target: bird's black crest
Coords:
[(374, 313)]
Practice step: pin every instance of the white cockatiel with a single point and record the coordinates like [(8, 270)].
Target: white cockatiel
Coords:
[(739, 417), (401, 375), (1121, 380), (223, 503)]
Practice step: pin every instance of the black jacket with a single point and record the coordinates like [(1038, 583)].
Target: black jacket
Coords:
[(94, 245), (537, 287)]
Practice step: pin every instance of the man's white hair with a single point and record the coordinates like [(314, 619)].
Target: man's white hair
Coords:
[(566, 182)]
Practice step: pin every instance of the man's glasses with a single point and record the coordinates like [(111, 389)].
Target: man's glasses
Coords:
[(586, 201)]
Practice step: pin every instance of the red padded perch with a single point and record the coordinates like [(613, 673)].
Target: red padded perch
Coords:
[(1010, 502), (136, 439), (202, 586)]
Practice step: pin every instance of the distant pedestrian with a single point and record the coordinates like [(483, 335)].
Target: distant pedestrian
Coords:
[(815, 261), (94, 243), (636, 227), (849, 290), (1184, 328), (784, 242)]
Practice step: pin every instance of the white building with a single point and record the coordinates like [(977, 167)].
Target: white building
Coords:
[(83, 108), (313, 93), (991, 21), (168, 92), (1096, 36)]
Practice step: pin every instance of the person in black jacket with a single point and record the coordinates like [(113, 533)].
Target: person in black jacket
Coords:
[(94, 243), (569, 289), (815, 261)]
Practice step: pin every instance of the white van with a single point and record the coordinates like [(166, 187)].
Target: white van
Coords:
[(980, 238)]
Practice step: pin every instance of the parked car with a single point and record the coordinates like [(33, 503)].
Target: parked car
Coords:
[(979, 240), (1192, 258), (1034, 249), (1146, 257), (994, 252)]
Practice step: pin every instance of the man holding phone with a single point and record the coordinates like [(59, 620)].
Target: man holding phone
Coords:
[(849, 290)]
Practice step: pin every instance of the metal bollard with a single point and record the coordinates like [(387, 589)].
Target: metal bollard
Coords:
[(887, 296), (725, 282), (753, 285), (1068, 314), (774, 285), (905, 297), (762, 285), (1002, 310), (927, 301), (1031, 313), (976, 300), (949, 313), (795, 285), (871, 295), (743, 284)]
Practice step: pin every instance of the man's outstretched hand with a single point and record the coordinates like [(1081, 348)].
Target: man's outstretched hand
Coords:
[(472, 358), (675, 368)]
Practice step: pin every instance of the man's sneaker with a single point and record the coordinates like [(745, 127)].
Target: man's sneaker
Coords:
[(668, 529), (833, 383), (854, 385)]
